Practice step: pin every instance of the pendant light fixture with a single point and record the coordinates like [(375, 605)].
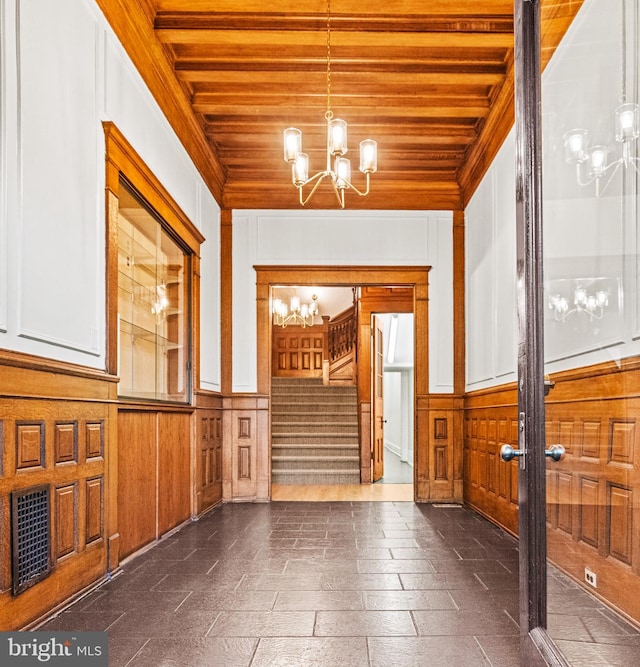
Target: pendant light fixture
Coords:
[(338, 167)]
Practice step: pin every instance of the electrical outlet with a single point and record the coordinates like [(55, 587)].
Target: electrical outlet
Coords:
[(590, 577)]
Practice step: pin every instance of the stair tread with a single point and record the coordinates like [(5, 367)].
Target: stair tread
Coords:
[(294, 457), (313, 471), (314, 432)]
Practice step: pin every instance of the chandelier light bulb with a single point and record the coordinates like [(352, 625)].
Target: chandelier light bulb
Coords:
[(598, 160), (368, 156), (300, 169), (627, 122), (575, 145), (343, 172), (292, 144), (295, 304), (602, 299), (337, 137)]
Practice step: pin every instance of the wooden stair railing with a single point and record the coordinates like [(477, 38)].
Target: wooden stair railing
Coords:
[(342, 336)]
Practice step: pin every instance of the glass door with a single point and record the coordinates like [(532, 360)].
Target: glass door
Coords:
[(591, 305), (578, 338)]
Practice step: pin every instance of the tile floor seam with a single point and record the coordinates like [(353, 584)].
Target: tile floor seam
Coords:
[(187, 596), (484, 653), (137, 653)]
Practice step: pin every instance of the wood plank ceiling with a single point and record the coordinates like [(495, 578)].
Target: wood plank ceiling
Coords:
[(430, 80)]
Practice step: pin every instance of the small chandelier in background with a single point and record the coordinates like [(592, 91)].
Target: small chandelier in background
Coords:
[(301, 314), (591, 305), (339, 173), (591, 162)]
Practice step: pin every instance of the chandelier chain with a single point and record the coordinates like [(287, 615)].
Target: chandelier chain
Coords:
[(329, 113)]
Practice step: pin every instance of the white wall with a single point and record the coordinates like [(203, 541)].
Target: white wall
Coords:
[(403, 238), (587, 240), (490, 248), (62, 72), (398, 412)]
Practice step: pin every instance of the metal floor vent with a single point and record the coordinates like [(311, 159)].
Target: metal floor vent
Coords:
[(31, 552)]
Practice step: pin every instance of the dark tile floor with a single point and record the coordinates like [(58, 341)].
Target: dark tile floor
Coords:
[(361, 584)]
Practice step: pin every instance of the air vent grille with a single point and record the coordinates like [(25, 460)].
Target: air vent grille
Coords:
[(31, 560)]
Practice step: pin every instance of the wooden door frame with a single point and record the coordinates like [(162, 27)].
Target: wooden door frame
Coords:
[(363, 276), (377, 402)]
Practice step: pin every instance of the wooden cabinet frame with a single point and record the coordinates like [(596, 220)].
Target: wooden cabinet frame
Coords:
[(123, 161)]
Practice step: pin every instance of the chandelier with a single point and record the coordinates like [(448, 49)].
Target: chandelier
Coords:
[(591, 305), (301, 314), (592, 161), (338, 167)]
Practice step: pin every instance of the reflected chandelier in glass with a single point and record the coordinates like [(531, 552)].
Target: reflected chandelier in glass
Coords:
[(593, 162), (591, 305)]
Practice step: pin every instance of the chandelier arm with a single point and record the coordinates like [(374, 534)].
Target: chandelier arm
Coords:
[(616, 166), (318, 178), (355, 189), (581, 182), (339, 193)]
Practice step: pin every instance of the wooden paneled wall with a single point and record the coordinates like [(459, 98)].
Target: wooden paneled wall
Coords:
[(154, 474), (592, 493), (56, 430), (246, 456), (491, 485), (298, 351), (208, 473)]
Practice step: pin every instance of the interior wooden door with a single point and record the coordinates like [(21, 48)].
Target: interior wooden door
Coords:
[(378, 398)]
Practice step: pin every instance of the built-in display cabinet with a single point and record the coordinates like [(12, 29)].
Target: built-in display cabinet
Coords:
[(153, 298)]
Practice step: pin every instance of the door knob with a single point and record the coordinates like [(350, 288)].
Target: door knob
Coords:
[(507, 452), (555, 452)]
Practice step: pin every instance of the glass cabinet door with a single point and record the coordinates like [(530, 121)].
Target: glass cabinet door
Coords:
[(153, 298)]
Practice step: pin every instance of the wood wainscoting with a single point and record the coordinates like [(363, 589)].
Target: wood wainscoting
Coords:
[(154, 473), (246, 456), (208, 473), (57, 434), (592, 513)]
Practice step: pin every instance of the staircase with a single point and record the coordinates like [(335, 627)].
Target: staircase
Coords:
[(314, 432)]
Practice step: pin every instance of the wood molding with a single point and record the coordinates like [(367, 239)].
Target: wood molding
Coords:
[(226, 300), (459, 332), (123, 159), (150, 59), (427, 488)]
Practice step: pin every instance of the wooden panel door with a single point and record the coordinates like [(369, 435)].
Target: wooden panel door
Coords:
[(174, 497), (137, 519), (378, 399)]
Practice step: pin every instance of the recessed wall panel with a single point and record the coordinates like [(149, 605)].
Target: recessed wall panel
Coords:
[(59, 302)]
